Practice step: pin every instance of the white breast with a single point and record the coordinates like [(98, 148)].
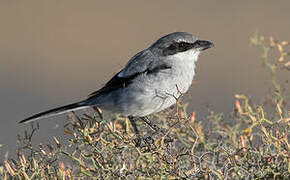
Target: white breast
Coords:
[(180, 79), (184, 67)]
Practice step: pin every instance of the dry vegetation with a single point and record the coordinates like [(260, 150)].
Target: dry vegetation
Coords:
[(252, 142)]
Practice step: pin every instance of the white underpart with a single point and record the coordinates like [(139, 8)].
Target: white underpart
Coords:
[(183, 65), (172, 83), (150, 94)]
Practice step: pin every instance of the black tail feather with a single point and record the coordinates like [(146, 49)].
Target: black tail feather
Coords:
[(55, 111)]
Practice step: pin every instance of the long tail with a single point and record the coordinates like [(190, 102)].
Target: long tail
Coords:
[(56, 111)]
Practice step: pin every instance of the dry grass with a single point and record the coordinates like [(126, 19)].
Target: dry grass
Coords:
[(249, 143)]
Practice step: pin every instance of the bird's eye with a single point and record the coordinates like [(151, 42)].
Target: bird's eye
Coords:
[(182, 44)]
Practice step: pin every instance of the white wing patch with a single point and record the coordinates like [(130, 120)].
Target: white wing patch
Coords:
[(121, 74)]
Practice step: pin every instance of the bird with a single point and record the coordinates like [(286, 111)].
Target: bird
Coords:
[(150, 81)]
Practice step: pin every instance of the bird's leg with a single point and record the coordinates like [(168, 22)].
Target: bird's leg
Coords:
[(156, 128), (138, 136), (152, 125)]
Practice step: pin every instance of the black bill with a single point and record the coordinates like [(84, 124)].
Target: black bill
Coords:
[(203, 44)]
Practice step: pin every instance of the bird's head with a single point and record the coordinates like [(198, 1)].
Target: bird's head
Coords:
[(181, 45)]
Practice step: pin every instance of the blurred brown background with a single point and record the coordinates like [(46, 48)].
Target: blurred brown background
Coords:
[(55, 52)]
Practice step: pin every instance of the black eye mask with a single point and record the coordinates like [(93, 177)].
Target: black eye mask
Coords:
[(177, 47)]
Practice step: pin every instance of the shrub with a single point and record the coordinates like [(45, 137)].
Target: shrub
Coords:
[(252, 142)]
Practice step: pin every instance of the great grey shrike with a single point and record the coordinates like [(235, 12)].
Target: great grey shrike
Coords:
[(149, 83)]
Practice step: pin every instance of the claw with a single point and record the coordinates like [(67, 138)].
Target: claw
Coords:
[(168, 139), (138, 141)]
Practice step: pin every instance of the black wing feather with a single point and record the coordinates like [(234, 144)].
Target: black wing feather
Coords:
[(120, 82)]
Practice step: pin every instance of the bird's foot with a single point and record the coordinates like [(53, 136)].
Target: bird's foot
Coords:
[(168, 139), (142, 142), (138, 141)]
